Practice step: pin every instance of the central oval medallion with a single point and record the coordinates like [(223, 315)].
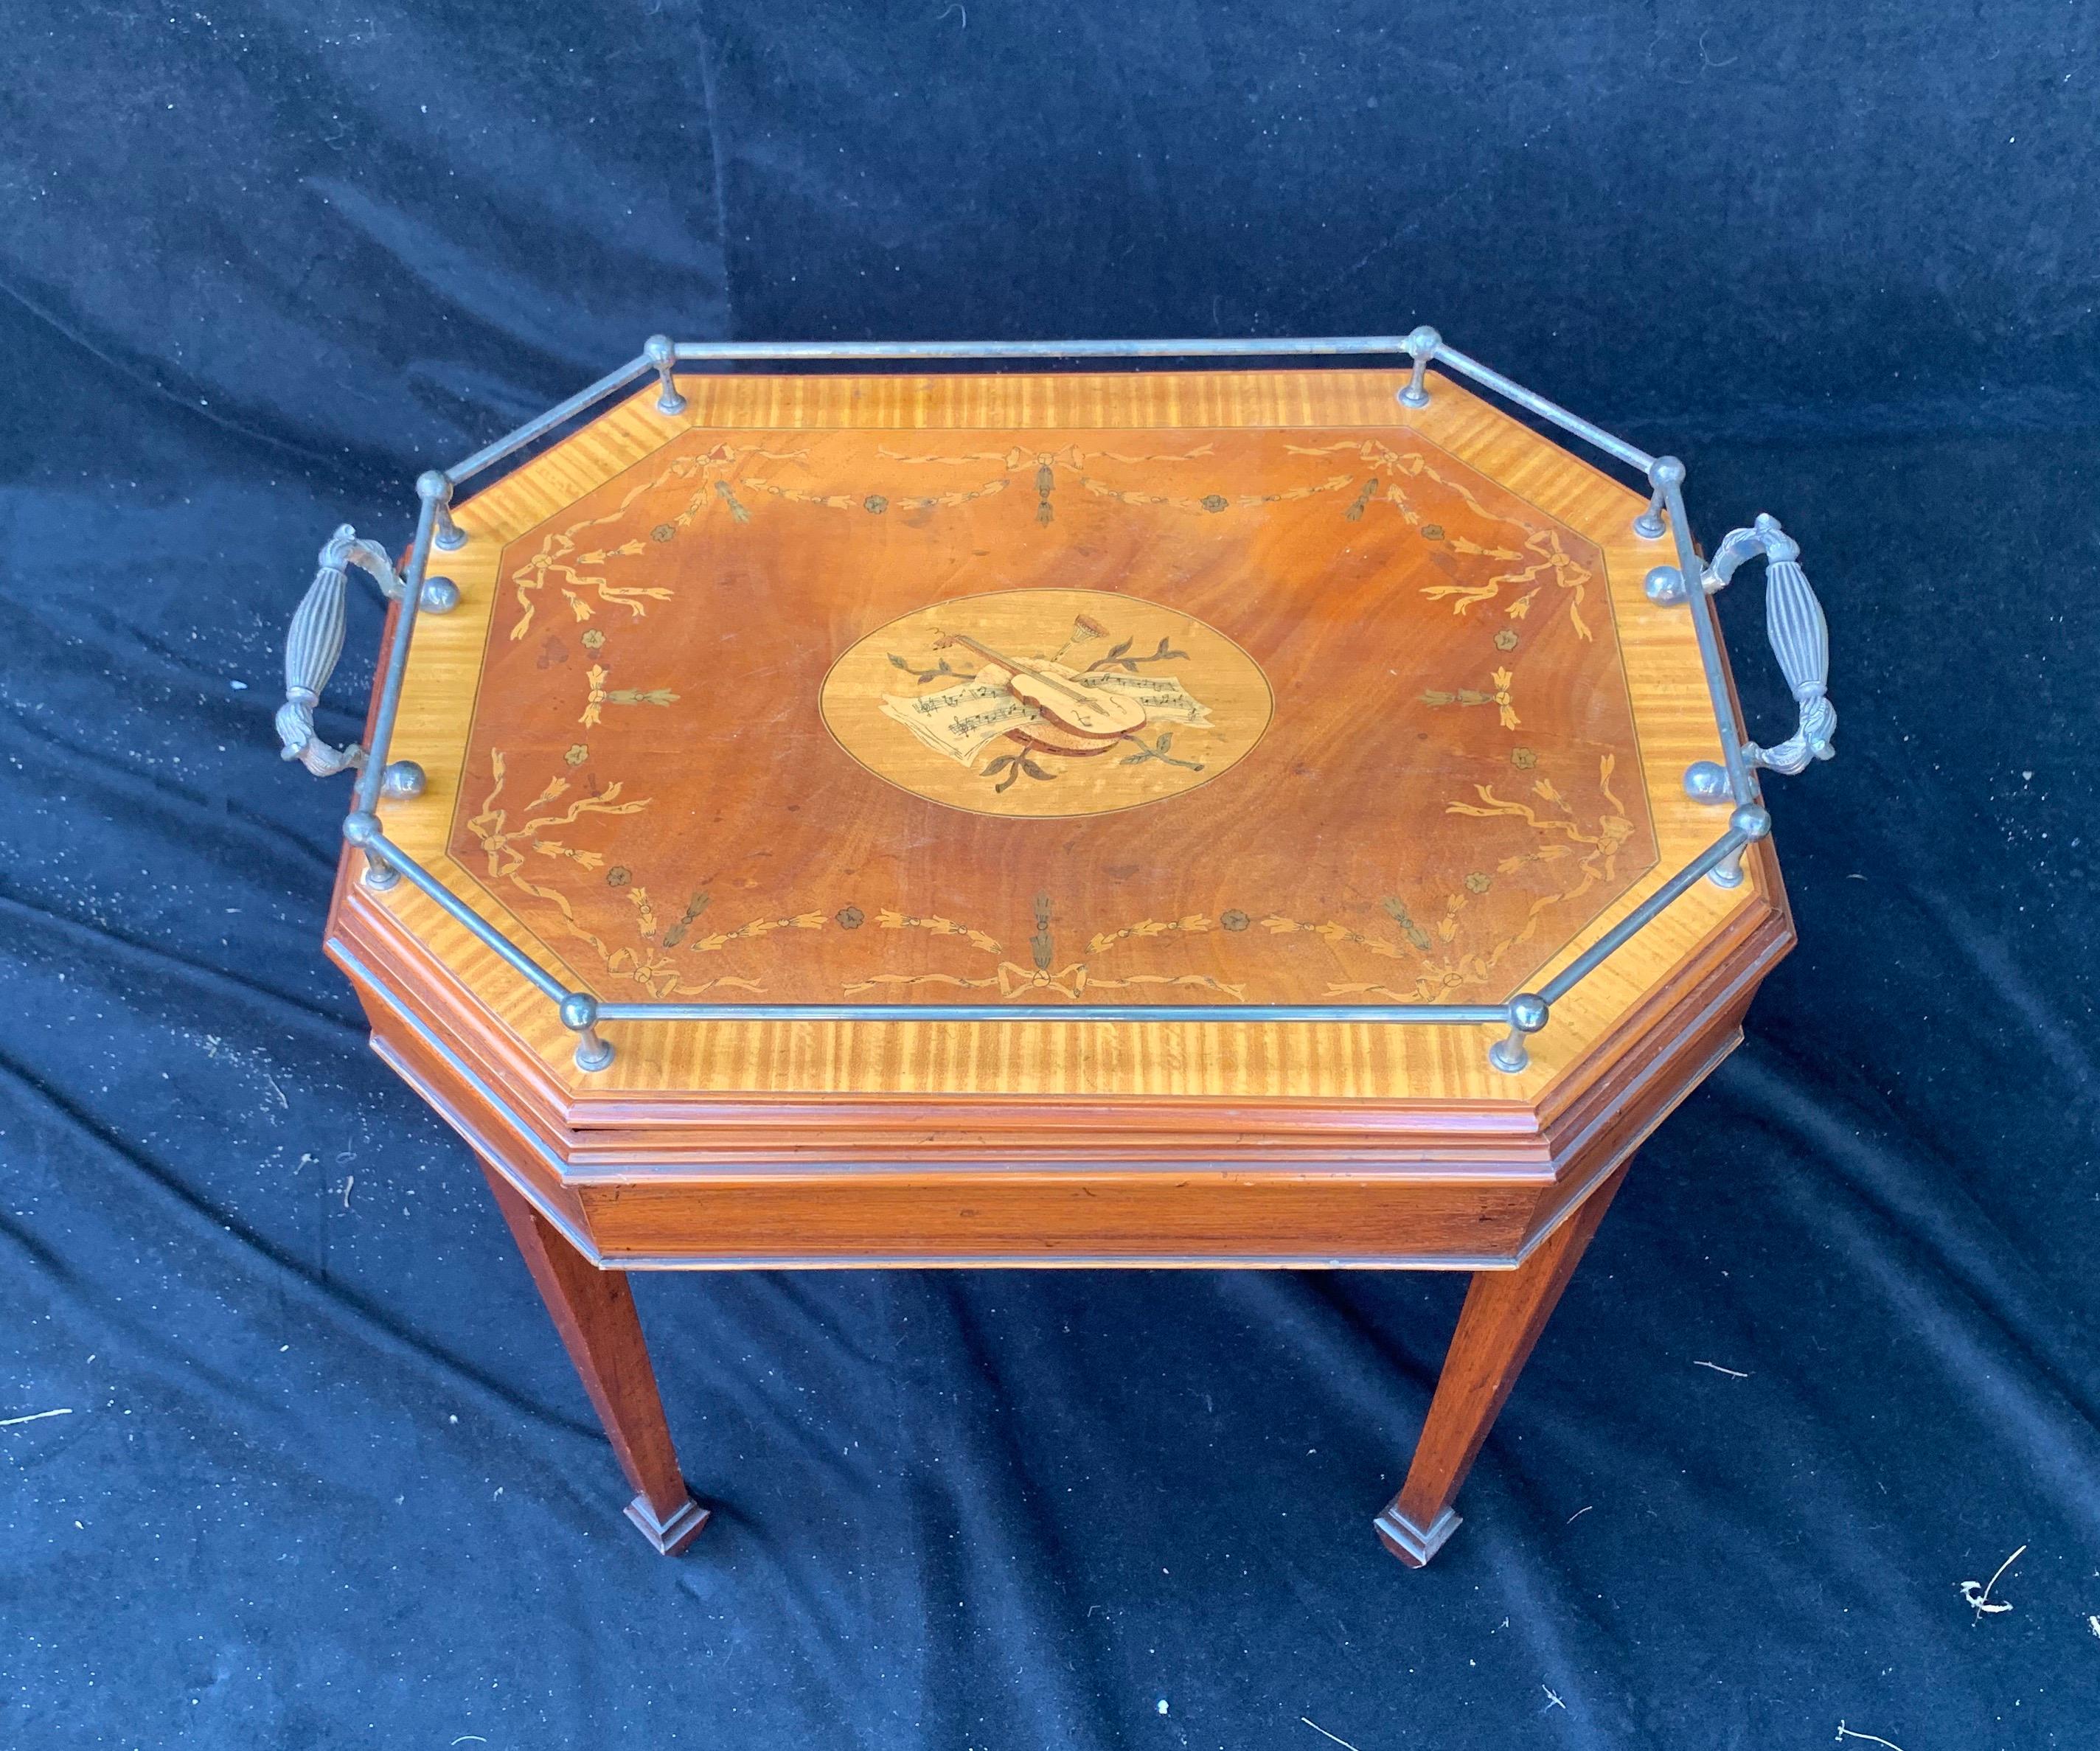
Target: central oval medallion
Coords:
[(1046, 703)]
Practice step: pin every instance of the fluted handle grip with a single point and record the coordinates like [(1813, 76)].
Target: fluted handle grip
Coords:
[(314, 643), (1800, 636), (1800, 639)]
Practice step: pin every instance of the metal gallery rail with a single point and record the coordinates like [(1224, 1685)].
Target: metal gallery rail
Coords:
[(1795, 625)]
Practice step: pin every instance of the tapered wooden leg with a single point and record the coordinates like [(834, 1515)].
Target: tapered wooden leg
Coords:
[(1504, 1313), (593, 1309)]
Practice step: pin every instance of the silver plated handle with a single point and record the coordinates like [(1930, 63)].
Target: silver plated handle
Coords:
[(1800, 639), (314, 642)]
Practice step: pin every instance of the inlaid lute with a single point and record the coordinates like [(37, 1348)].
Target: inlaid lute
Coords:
[(1075, 720)]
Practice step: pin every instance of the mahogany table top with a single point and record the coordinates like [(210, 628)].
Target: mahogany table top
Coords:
[(1236, 689)]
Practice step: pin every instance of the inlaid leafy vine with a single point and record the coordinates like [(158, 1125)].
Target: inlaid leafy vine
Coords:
[(1588, 849)]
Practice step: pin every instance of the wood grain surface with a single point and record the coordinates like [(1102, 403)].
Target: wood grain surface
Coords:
[(1441, 733)]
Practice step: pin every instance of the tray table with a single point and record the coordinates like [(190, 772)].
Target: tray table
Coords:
[(1291, 816)]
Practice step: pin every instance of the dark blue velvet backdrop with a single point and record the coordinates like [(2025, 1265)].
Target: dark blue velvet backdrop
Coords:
[(323, 1478)]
